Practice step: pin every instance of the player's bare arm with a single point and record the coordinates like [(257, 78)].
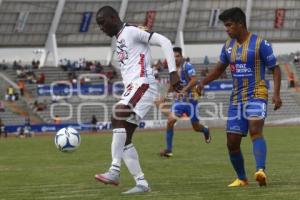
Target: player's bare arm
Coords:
[(276, 100), (190, 85), (213, 75)]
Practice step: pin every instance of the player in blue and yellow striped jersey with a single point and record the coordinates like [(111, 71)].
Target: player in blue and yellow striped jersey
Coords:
[(248, 56), (186, 103)]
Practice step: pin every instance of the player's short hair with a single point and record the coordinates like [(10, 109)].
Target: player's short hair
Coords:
[(234, 14), (177, 50), (107, 11)]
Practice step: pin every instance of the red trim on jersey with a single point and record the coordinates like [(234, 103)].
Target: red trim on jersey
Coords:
[(142, 65), (138, 94)]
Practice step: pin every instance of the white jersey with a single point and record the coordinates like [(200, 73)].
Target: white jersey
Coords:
[(133, 52)]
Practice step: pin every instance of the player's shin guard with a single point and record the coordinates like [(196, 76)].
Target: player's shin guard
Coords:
[(169, 139), (237, 162), (131, 159), (117, 146), (260, 152)]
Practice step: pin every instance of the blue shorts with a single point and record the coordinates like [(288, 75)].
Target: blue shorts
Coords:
[(189, 108), (238, 115)]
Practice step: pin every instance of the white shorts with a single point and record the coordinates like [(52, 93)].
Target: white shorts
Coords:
[(140, 95)]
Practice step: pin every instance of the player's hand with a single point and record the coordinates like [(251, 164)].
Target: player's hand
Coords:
[(199, 88), (175, 81), (276, 100)]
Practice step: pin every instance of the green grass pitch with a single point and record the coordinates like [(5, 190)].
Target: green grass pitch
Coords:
[(33, 169)]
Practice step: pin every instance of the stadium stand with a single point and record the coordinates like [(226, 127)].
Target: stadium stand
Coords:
[(198, 29), (38, 16)]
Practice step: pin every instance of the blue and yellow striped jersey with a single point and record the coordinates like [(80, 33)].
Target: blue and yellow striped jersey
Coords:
[(186, 71), (247, 63)]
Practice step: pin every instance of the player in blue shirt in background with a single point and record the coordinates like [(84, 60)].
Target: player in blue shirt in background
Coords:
[(185, 102), (248, 56)]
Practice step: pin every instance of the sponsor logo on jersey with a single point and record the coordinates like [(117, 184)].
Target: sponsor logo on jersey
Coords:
[(122, 53), (240, 68)]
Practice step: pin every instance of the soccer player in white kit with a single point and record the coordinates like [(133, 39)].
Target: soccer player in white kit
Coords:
[(133, 52)]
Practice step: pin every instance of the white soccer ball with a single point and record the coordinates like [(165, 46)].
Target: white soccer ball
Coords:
[(67, 139)]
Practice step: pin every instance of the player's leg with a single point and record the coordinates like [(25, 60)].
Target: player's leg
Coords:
[(141, 101), (131, 160), (169, 136), (259, 150), (256, 113), (203, 129), (120, 114), (259, 144), (237, 127), (192, 111), (236, 158)]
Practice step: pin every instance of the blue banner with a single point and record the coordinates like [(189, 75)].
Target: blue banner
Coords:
[(219, 86), (223, 85), (99, 89), (86, 20), (46, 128), (65, 90)]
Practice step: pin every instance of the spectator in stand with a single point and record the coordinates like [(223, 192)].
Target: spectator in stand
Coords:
[(10, 94), (16, 96), (80, 62), (2, 108), (99, 68), (31, 77), (206, 60), (2, 129), (296, 58), (94, 122), (15, 65), (37, 64), (92, 67), (109, 74), (77, 66), (72, 77), (63, 64), (38, 106), (87, 65), (33, 64), (29, 67), (21, 72), (42, 78), (68, 64), (21, 86), (3, 65)]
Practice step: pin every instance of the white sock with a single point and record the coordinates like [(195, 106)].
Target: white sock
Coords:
[(117, 146), (131, 159)]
